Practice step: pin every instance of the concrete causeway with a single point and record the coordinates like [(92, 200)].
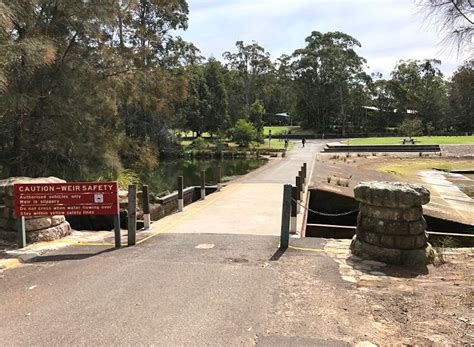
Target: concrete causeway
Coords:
[(250, 205)]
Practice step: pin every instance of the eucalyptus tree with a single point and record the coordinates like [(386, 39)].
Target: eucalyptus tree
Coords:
[(419, 87), (325, 71), (461, 98), (217, 119), (251, 62)]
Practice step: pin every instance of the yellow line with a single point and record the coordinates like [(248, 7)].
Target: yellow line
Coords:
[(307, 249), (10, 262)]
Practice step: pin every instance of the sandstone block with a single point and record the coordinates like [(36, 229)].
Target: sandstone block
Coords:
[(395, 214), (416, 257), (391, 194), (49, 234)]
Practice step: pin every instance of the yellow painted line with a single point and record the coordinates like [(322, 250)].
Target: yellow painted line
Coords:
[(307, 249), (224, 193), (11, 262)]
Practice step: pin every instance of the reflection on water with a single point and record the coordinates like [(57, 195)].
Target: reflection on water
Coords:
[(165, 177)]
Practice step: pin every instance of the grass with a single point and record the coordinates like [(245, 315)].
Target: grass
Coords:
[(274, 144), (282, 130), (408, 168), (419, 140)]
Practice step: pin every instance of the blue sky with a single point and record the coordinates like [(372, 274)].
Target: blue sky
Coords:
[(388, 30)]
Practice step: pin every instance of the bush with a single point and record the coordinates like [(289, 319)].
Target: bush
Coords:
[(243, 132), (199, 143)]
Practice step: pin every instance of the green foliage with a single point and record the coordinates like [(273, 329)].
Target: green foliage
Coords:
[(126, 178), (199, 143), (243, 132), (327, 71), (411, 127), (255, 115), (461, 97)]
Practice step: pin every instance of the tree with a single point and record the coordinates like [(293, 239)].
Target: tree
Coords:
[(244, 132), (255, 115), (418, 86), (455, 18), (461, 97), (197, 106), (325, 71), (251, 62), (217, 118), (411, 127)]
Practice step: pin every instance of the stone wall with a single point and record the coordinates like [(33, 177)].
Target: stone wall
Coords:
[(37, 229), (390, 224)]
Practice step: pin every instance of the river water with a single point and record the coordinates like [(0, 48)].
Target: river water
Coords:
[(164, 178)]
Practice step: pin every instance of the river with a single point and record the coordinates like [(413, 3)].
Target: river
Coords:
[(164, 178)]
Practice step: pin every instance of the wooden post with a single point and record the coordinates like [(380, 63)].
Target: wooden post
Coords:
[(294, 206), (203, 184), (146, 207), (132, 214), (118, 236), (219, 178), (180, 194), (285, 217), (299, 188), (21, 231), (305, 173)]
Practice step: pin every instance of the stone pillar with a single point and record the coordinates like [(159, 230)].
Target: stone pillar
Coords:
[(37, 228), (390, 225)]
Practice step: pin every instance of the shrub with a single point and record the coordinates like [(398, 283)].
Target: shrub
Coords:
[(199, 143), (243, 132)]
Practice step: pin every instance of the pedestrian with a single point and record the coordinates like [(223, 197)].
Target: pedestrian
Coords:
[(286, 142), (303, 141)]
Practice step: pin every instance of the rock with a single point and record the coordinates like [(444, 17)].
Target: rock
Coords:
[(390, 224), (37, 228), (49, 234), (400, 214), (391, 194)]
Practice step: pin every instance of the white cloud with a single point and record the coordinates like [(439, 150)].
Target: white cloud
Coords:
[(388, 30)]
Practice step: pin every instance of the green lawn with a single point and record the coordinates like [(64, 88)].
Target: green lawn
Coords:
[(279, 130), (409, 168), (419, 140), (274, 144)]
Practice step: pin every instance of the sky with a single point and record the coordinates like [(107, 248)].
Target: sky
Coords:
[(389, 30)]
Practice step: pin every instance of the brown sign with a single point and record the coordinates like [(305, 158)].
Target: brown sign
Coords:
[(73, 198)]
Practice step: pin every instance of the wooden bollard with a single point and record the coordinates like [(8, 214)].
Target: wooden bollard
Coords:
[(285, 217), (299, 189), (219, 178), (21, 231), (305, 172), (294, 206), (203, 185), (132, 214), (146, 207), (180, 194)]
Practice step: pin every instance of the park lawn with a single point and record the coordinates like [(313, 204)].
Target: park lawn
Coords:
[(274, 144), (419, 140), (282, 130), (409, 168)]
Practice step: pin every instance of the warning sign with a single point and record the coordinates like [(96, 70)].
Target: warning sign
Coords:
[(73, 198)]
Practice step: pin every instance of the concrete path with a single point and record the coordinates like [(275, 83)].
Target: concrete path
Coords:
[(249, 206)]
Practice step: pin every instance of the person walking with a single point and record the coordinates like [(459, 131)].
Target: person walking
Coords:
[(303, 141)]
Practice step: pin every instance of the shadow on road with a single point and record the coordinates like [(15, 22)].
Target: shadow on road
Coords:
[(62, 257), (277, 255)]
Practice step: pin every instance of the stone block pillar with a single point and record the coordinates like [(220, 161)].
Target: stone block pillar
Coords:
[(390, 225)]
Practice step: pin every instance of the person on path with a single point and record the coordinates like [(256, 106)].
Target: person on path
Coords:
[(286, 143), (303, 141)]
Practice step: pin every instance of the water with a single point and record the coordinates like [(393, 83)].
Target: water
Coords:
[(165, 177)]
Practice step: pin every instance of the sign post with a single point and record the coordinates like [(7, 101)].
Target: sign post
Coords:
[(70, 199)]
